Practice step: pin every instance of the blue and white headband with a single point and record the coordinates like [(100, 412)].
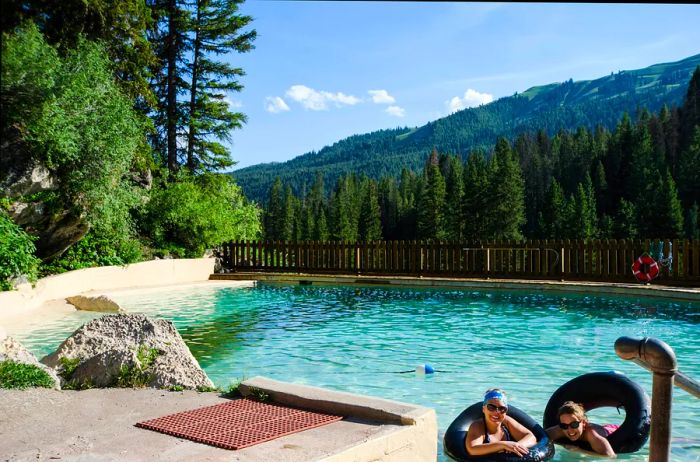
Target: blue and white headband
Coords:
[(495, 394)]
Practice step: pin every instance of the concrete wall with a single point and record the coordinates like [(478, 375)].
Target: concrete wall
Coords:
[(150, 273)]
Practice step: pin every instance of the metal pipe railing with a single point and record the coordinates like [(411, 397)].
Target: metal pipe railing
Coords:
[(680, 380), (659, 358)]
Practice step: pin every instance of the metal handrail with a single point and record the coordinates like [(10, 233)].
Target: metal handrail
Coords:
[(681, 380), (659, 358)]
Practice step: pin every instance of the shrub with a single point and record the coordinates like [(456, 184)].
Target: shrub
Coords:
[(139, 375), (16, 253), (191, 214), (95, 250), (21, 376)]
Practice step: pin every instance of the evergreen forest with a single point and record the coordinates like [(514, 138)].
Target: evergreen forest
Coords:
[(640, 180), (114, 132), (567, 105)]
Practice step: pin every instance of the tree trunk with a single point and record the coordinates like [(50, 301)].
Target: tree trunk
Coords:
[(193, 91), (171, 104)]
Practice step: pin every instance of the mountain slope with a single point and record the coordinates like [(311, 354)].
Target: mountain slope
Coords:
[(552, 107)]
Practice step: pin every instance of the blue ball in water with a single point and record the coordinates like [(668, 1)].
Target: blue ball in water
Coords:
[(425, 369)]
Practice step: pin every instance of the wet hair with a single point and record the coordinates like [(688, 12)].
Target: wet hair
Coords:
[(574, 409)]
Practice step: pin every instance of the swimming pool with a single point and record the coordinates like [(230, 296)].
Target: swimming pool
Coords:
[(365, 339)]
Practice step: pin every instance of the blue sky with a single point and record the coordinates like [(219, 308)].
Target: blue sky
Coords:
[(322, 71)]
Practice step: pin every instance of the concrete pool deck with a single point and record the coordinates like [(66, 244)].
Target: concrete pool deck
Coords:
[(98, 425)]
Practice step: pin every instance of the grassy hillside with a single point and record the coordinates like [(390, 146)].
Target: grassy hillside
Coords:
[(551, 107)]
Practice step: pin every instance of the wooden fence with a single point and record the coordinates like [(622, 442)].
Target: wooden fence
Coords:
[(593, 260)]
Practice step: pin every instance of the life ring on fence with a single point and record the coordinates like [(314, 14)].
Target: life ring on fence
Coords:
[(600, 389), (645, 268), (456, 435)]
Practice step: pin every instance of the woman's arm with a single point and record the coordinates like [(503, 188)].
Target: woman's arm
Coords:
[(599, 444), (555, 433), (521, 434), (475, 441)]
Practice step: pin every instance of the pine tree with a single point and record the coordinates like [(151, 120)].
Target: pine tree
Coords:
[(389, 206), (690, 112), (408, 192), (475, 203), (345, 216), (169, 37), (625, 222), (617, 161), (585, 216), (454, 185), (274, 215), (506, 199), (370, 219), (322, 233), (431, 202), (291, 226), (689, 171), (553, 219), (216, 30), (668, 213)]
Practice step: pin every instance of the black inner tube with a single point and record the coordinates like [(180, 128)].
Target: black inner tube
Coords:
[(601, 389), (456, 434)]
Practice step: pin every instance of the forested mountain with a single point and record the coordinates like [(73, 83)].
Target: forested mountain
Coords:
[(639, 180), (569, 105)]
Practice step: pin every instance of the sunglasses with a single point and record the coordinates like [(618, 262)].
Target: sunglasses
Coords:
[(575, 424), (494, 408)]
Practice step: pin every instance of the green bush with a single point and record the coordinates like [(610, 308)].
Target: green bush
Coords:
[(21, 376), (94, 250), (190, 214), (139, 375), (16, 253)]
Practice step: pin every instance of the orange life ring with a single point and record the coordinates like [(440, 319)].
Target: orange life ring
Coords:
[(645, 262)]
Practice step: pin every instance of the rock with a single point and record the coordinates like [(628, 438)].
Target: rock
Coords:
[(106, 344), (102, 304), (101, 369), (57, 231), (21, 283), (12, 350)]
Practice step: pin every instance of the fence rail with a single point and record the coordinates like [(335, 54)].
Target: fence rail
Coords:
[(594, 260)]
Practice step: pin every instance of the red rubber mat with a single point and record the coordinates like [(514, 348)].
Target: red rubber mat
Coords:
[(238, 424)]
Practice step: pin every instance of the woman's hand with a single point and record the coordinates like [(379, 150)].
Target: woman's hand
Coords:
[(515, 448)]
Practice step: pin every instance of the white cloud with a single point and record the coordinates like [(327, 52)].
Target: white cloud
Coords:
[(275, 105), (381, 97), (395, 111), (471, 98), (319, 100), (233, 104)]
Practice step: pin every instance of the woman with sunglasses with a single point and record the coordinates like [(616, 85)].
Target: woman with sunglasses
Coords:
[(496, 431), (574, 425)]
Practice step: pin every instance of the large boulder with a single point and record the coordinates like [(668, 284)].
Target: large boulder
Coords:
[(115, 348), (12, 350)]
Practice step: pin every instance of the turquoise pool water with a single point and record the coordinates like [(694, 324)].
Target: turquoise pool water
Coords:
[(360, 339)]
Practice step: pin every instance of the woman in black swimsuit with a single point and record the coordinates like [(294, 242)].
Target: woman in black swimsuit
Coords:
[(497, 432)]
